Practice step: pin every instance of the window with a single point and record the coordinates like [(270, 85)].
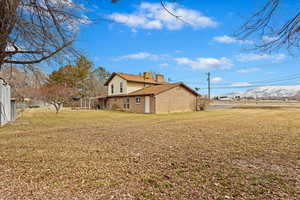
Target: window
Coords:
[(121, 87), (126, 103), (112, 88), (138, 100)]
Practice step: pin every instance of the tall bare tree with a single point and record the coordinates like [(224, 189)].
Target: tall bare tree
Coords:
[(23, 83), (32, 31), (275, 30)]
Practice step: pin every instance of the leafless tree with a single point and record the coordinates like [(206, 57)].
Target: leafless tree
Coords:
[(23, 83), (266, 24), (32, 31), (55, 95)]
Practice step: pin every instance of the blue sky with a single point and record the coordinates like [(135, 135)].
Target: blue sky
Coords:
[(141, 36)]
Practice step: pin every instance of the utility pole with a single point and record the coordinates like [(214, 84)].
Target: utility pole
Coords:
[(208, 84)]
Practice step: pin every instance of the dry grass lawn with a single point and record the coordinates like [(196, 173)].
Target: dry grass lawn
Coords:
[(224, 154)]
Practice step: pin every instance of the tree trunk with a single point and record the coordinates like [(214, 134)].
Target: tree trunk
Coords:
[(57, 107), (8, 18)]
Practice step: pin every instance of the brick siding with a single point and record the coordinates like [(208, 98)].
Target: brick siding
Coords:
[(117, 103)]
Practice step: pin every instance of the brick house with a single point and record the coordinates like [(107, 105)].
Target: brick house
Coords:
[(144, 94)]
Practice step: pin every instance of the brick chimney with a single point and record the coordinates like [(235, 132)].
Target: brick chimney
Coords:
[(147, 75), (159, 78)]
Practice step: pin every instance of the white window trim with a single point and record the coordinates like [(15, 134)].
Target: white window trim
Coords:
[(136, 101), (112, 89), (126, 103), (121, 87)]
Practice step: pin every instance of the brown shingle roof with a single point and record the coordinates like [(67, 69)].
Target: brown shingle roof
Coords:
[(155, 89), (133, 78), (103, 95)]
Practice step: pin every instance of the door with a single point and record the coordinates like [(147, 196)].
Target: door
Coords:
[(147, 104)]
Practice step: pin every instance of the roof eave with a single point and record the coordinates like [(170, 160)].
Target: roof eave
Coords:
[(120, 75), (110, 78), (145, 82), (129, 95), (180, 84)]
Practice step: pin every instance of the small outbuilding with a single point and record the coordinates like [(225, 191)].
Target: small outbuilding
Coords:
[(5, 102)]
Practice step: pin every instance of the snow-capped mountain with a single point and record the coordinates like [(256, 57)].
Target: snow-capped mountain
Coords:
[(271, 91)]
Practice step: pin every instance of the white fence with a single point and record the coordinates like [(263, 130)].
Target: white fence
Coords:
[(5, 103)]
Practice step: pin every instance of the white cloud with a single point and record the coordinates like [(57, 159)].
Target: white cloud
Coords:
[(251, 57), (62, 2), (224, 39), (241, 84), (135, 21), (206, 63), (96, 58), (279, 57), (164, 64), (9, 47), (248, 70), (256, 57), (154, 16), (230, 40), (216, 80), (56, 4), (268, 39), (74, 24), (84, 20), (140, 56)]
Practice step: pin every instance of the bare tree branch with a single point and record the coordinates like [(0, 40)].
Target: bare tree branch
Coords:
[(272, 37), (42, 58), (33, 31), (163, 4)]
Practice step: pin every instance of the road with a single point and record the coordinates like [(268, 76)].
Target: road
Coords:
[(230, 106)]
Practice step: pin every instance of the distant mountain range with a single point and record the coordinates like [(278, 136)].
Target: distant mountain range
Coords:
[(270, 91)]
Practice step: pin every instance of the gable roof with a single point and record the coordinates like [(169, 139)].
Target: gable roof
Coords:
[(132, 78), (155, 90), (103, 95)]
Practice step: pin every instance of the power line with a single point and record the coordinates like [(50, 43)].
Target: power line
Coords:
[(266, 82), (248, 86), (283, 79)]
